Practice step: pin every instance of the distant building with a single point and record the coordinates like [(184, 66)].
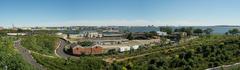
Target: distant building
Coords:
[(112, 35), (15, 34), (1, 28), (59, 33), (124, 48), (111, 30), (160, 33), (135, 47), (26, 28), (91, 34), (79, 50), (107, 40)]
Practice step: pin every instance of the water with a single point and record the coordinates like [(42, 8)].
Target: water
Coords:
[(216, 29)]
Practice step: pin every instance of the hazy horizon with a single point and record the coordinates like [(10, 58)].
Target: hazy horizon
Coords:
[(30, 13)]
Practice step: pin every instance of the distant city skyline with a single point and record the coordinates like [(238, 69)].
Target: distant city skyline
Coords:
[(30, 13)]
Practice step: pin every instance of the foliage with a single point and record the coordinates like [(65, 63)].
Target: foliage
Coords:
[(130, 36), (205, 52), (198, 31), (208, 31), (10, 59), (166, 29), (43, 43), (86, 43), (82, 63), (234, 31), (151, 34), (188, 30)]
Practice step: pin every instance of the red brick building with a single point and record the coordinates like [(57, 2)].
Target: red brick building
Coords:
[(79, 50)]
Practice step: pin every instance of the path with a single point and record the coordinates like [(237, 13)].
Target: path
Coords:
[(223, 67), (26, 54)]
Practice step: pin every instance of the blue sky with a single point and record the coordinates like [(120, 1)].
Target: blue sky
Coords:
[(119, 12)]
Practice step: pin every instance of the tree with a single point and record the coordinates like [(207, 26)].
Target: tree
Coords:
[(166, 29), (188, 30), (130, 36), (86, 43), (198, 31), (68, 36), (208, 31), (234, 31), (153, 33), (19, 30)]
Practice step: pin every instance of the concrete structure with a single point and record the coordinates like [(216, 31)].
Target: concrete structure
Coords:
[(135, 47), (160, 33), (107, 40), (79, 50), (124, 48)]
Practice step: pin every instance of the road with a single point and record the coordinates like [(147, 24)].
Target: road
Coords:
[(59, 51), (26, 54)]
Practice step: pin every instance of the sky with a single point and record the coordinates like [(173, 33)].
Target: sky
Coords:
[(25, 13)]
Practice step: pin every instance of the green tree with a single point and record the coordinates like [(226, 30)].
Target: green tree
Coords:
[(86, 43), (188, 30), (166, 29), (208, 31), (234, 31), (198, 31), (130, 36)]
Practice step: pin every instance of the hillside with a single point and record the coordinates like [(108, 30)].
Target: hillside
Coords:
[(9, 57), (205, 52)]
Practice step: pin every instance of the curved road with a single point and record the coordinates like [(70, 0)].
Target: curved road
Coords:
[(59, 51), (26, 54)]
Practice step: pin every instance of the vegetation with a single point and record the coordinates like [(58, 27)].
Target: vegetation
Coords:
[(82, 63), (44, 44), (10, 59), (188, 30), (208, 31), (233, 31), (198, 31), (151, 34), (166, 29), (205, 52), (86, 43), (130, 36)]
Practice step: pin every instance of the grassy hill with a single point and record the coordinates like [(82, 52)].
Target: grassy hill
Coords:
[(9, 56), (201, 53), (44, 44), (205, 52)]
